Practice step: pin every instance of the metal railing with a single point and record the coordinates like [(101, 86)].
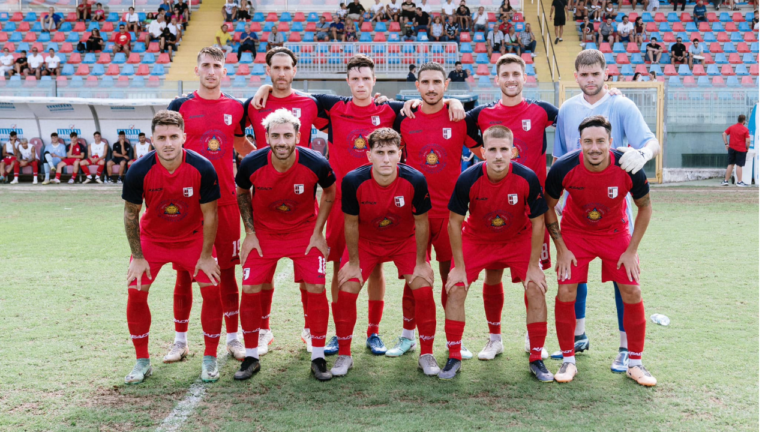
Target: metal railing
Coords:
[(63, 6), (549, 47)]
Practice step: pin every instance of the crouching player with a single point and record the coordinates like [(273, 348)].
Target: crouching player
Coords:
[(282, 220), (180, 189), (595, 225), (385, 207), (505, 229)]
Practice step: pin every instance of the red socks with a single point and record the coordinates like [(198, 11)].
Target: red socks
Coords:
[(230, 299), (425, 318), (634, 325), (182, 300), (493, 301), (85, 169), (99, 170), (139, 320), (266, 307), (250, 318), (537, 334), (210, 318), (375, 312), (317, 311), (304, 306), (409, 305), (58, 176), (17, 167), (454, 330), (565, 322), (345, 317)]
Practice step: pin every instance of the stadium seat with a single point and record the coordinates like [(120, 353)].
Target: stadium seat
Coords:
[(678, 27), (754, 47), (271, 17), (464, 47), (721, 59), (480, 48), (285, 17), (689, 81), (632, 48), (712, 70), (736, 37), (609, 58), (723, 37), (725, 17), (482, 59), (727, 70), (637, 59), (715, 48), (605, 48), (670, 70), (622, 59), (482, 70), (703, 81), (741, 70), (655, 68), (104, 58), (741, 47), (83, 70), (717, 27), (142, 70), (313, 17), (672, 17), (732, 81), (159, 70), (729, 48), (394, 27), (163, 58), (258, 17), (128, 70), (748, 58), (747, 81), (618, 47), (684, 70)]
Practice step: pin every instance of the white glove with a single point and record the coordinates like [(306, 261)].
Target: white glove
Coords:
[(634, 160)]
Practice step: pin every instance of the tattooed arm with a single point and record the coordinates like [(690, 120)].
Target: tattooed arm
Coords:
[(138, 267), (246, 213)]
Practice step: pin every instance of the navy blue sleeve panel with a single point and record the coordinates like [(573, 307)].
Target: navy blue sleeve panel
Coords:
[(473, 124), (550, 109), (395, 106), (349, 186), (176, 104), (249, 165), (319, 165), (536, 202), (472, 132), (421, 201), (459, 202), (325, 102), (554, 185), (209, 180), (133, 187), (399, 118), (640, 186)]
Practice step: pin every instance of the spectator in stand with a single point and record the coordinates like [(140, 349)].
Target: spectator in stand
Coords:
[(178, 17), (699, 13), (228, 10), (512, 43), (423, 21), (653, 51), (356, 11), (36, 63), (594, 11), (448, 9), (122, 41), (411, 74), (409, 37), (224, 39), (678, 2), (610, 11), (8, 160), (350, 32), (171, 37), (528, 40), (50, 21), (141, 149), (480, 20), (506, 10), (75, 154), (643, 2), (377, 12), (737, 150), (98, 14), (755, 24), (337, 29), (652, 5), (458, 74), (342, 11), (248, 41), (625, 29), (182, 4), (425, 7), (393, 11), (605, 33), (437, 30), (165, 8), (155, 30), (97, 154), (587, 32), (695, 54), (639, 31), (581, 11), (244, 11), (463, 16), (52, 64), (6, 63), (558, 10), (407, 12), (134, 23), (322, 34), (95, 42), (26, 155), (505, 26), (637, 77), (53, 154), (679, 52), (494, 41), (452, 30), (83, 10), (121, 154), (275, 39), (21, 66)]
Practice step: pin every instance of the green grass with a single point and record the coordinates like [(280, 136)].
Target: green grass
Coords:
[(65, 346)]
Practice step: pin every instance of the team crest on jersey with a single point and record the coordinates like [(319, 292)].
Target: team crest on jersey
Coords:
[(526, 125), (211, 145), (498, 221), (172, 211), (595, 212), (283, 206), (188, 192), (613, 192), (447, 133), (228, 119), (432, 158), (386, 222), (298, 189), (512, 199), (399, 201), (296, 112), (357, 143), (375, 120)]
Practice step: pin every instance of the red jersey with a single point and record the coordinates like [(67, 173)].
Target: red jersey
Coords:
[(528, 121), (386, 213), (348, 127), (211, 127), (123, 38), (738, 137), (76, 149), (284, 203), (596, 202), (499, 212), (172, 200), (301, 105), (433, 145)]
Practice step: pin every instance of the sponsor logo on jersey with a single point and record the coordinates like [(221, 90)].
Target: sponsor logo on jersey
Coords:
[(447, 133), (188, 192), (512, 199), (296, 112), (526, 125), (212, 145), (375, 120), (298, 189), (228, 119), (613, 192), (498, 220), (399, 201)]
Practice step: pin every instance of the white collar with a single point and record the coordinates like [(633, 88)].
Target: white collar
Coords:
[(596, 104)]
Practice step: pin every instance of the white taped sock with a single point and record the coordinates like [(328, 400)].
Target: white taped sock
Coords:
[(633, 363), (231, 337), (252, 352), (571, 359), (318, 352), (623, 339), (495, 336), (181, 337), (410, 334), (580, 326)]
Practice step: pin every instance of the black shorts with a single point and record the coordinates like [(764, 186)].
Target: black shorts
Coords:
[(407, 14), (117, 160), (559, 21), (736, 157)]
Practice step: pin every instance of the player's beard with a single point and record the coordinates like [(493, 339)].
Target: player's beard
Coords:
[(512, 95), (283, 85), (164, 156), (589, 160), (283, 152), (208, 85), (431, 95), (598, 88)]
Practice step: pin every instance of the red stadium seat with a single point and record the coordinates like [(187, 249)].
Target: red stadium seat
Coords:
[(255, 79), (467, 58), (750, 37), (394, 27), (492, 17), (113, 70), (299, 17), (480, 48), (633, 16), (698, 70), (328, 16), (153, 81), (704, 27), (133, 59), (264, 37), (632, 48), (142, 70), (243, 69), (723, 37), (651, 27), (380, 37), (231, 58), (17, 17), (612, 70), (104, 58), (686, 17), (23, 27), (366, 27), (66, 48), (530, 81), (10, 46), (696, 35), (715, 48), (742, 47), (465, 37), (495, 57), (669, 37), (294, 37), (727, 70), (660, 17), (482, 70), (642, 70), (163, 58), (310, 27), (83, 70), (527, 58), (731, 27), (271, 17), (30, 81), (734, 59), (689, 81), (737, 17), (622, 59), (79, 27), (718, 81), (75, 59), (72, 16), (255, 27), (708, 58), (107, 27), (30, 37), (678, 27), (58, 37), (261, 58), (283, 27), (754, 70), (712, 17), (306, 48), (450, 49), (336, 48), (669, 70), (154, 47), (747, 81), (394, 48)]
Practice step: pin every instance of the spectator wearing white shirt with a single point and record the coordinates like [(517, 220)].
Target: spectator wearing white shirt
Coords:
[(625, 29), (228, 10), (495, 40), (449, 8), (134, 23), (425, 7), (141, 148), (52, 63), (6, 63), (480, 20), (35, 61), (155, 30), (377, 11), (393, 11)]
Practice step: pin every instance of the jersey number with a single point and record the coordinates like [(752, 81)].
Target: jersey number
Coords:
[(236, 248), (544, 252), (321, 265)]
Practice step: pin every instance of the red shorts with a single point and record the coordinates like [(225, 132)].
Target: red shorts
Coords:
[(183, 256), (334, 231), (438, 239), (607, 247), (228, 236), (91, 160), (70, 161), (513, 255), (370, 254), (309, 268), (545, 261), (8, 160)]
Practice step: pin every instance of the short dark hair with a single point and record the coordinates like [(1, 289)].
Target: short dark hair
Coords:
[(509, 59), (411, 67), (595, 121), (281, 51), (121, 133), (13, 133), (742, 118), (359, 61), (589, 57), (142, 134), (99, 133), (431, 66), (695, 40), (457, 63), (73, 133), (54, 134), (382, 137), (167, 118)]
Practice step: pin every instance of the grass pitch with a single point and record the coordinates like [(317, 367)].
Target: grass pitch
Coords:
[(65, 346)]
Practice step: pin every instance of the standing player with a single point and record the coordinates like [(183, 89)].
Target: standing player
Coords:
[(281, 68), (180, 190), (505, 229), (98, 152), (27, 156), (594, 225), (528, 120), (628, 126), (385, 208), (8, 157), (282, 220), (433, 145), (214, 128)]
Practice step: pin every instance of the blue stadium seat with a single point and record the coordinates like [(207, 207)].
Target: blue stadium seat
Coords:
[(674, 81), (94, 25), (717, 27), (729, 48), (380, 27), (113, 17), (710, 37), (349, 49), (89, 58), (656, 68), (749, 16), (590, 45), (31, 17), (479, 37), (656, 35), (393, 37), (484, 82), (735, 37), (519, 27), (618, 48), (313, 17), (720, 58), (15, 37), (258, 17), (258, 69), (297, 27), (239, 81), (37, 27), (672, 17), (748, 58), (322, 48), (643, 47), (137, 82), (732, 81), (44, 37), (365, 37), (98, 70), (23, 46), (712, 70), (128, 70), (684, 36), (741, 70), (52, 45), (664, 28), (482, 58), (470, 70), (647, 17), (119, 58), (308, 37), (609, 58), (422, 37), (620, 16), (73, 38), (67, 70), (691, 27), (394, 60), (334, 59), (4, 16), (703, 82), (684, 70), (262, 47), (464, 47), (437, 49), (744, 26), (725, 17), (529, 70), (637, 59), (15, 81), (286, 17), (627, 70), (149, 58), (755, 47), (159, 70), (379, 49), (76, 81), (246, 58), (665, 59)]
